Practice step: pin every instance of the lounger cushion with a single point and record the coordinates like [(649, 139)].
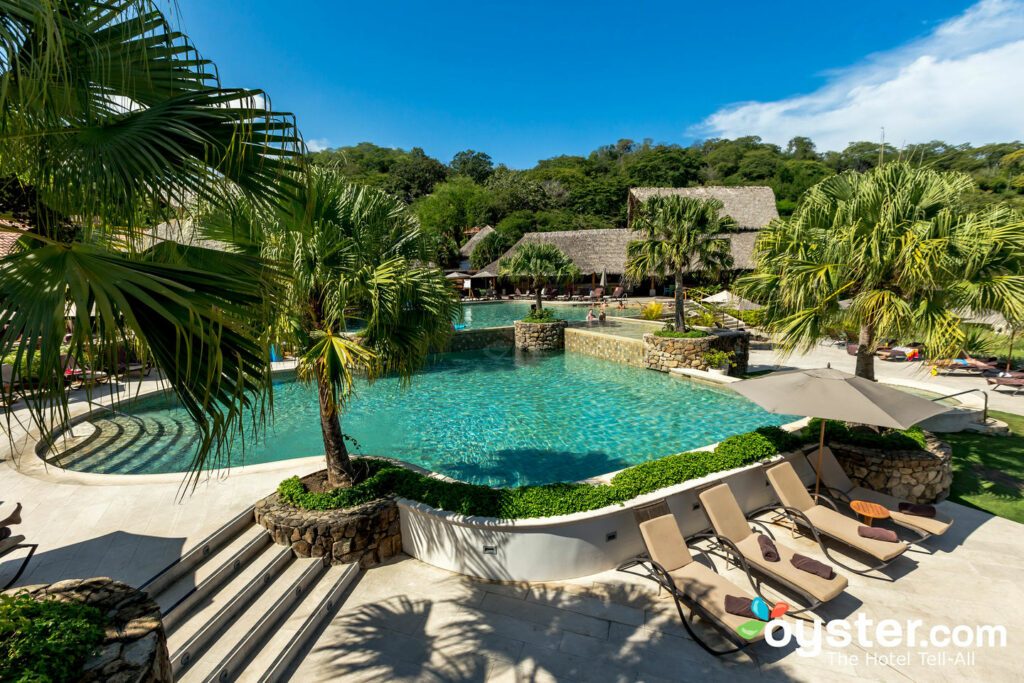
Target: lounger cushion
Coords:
[(789, 488), (832, 473), (936, 525), (833, 524), (705, 587), (10, 542), (725, 513), (821, 589), (665, 542)]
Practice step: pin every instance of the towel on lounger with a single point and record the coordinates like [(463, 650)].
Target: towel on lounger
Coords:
[(809, 564), (887, 535), (768, 549), (740, 607), (917, 509)]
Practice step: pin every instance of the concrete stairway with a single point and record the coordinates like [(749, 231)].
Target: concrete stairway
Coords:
[(239, 607)]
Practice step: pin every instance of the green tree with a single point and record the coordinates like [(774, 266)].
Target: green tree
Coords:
[(108, 112), (540, 264), (446, 214), (474, 165), (899, 243), (354, 253), (414, 175), (681, 235)]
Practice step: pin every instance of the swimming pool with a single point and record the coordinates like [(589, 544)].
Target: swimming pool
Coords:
[(503, 313), (491, 416)]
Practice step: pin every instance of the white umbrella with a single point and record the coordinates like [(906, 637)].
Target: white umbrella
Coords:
[(727, 299), (835, 395), (456, 276), (604, 278)]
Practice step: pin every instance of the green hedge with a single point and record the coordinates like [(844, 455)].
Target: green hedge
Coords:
[(691, 334), (552, 499), (46, 640), (543, 315), (895, 440)]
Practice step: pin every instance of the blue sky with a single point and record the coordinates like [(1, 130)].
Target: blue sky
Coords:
[(529, 80)]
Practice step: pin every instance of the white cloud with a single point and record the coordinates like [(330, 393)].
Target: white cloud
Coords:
[(964, 82), (318, 144)]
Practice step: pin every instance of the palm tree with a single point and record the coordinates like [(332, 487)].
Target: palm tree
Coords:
[(681, 235), (540, 264), (353, 253), (899, 243), (109, 122)]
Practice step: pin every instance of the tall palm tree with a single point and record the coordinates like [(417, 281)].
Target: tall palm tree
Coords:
[(899, 243), (353, 253), (540, 264), (109, 122), (681, 235)]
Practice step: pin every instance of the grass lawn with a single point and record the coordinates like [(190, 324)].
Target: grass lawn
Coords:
[(988, 471)]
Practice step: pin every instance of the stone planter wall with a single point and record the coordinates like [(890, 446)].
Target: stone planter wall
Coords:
[(618, 349), (917, 476), (367, 534), (664, 353), (134, 646), (540, 336)]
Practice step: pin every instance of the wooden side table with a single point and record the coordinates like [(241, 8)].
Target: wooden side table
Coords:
[(870, 511)]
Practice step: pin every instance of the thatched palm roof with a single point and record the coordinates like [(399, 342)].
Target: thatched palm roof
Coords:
[(594, 251), (467, 249), (751, 207)]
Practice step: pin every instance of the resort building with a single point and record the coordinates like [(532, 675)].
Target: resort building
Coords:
[(600, 253), (477, 235)]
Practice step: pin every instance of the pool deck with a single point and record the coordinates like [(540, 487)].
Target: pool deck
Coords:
[(409, 621)]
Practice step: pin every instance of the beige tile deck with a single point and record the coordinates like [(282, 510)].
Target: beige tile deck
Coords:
[(409, 621)]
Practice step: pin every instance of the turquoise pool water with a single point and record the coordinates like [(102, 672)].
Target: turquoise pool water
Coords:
[(500, 314), (491, 417)]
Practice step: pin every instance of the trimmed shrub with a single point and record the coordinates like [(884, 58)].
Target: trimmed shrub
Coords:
[(544, 315), (894, 440), (46, 640), (692, 334), (551, 499)]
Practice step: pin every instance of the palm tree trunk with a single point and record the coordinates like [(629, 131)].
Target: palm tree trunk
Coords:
[(680, 304), (540, 305), (866, 352), (339, 467)]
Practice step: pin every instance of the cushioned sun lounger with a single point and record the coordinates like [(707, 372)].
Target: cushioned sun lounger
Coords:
[(736, 536), (798, 505), (1017, 383), (840, 487), (669, 563)]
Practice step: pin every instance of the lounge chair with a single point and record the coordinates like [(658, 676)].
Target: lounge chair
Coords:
[(734, 534), (9, 518), (129, 367), (668, 563), (963, 364), (82, 374), (801, 509), (597, 294), (618, 295), (1016, 382), (839, 487)]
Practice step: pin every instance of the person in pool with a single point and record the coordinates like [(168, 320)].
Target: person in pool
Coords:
[(601, 318), (590, 315)]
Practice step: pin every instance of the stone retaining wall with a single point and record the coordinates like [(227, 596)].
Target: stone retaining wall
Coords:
[(485, 338), (665, 353), (618, 349), (134, 645), (917, 476), (367, 534), (540, 336)]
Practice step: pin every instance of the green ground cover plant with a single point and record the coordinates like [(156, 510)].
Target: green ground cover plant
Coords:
[(988, 471), (548, 500), (46, 640)]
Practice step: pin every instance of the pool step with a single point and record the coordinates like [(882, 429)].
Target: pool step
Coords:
[(238, 605)]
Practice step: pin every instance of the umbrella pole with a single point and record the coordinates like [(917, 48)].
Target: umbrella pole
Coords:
[(821, 447)]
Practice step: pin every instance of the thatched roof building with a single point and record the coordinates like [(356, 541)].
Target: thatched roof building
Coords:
[(751, 207), (597, 251), (467, 249)]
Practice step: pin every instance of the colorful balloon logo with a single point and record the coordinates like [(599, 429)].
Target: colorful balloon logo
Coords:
[(752, 629)]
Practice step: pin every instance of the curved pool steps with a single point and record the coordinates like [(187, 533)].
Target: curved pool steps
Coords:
[(239, 606)]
